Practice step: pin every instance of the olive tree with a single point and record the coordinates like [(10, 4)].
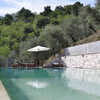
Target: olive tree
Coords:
[(74, 29), (52, 37)]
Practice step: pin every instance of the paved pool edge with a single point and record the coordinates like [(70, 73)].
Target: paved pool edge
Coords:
[(3, 93)]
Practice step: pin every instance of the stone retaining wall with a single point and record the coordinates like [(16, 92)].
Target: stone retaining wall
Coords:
[(84, 49), (84, 61), (85, 56)]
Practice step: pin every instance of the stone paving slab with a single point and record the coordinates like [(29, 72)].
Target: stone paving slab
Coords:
[(3, 93)]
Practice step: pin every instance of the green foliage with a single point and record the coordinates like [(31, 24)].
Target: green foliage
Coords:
[(25, 15), (41, 21), (3, 62), (74, 29), (4, 51), (7, 20), (73, 9), (68, 9), (59, 10), (55, 29), (91, 17), (76, 8), (54, 14), (16, 47), (54, 21), (47, 11), (28, 29), (24, 46), (98, 5), (52, 37)]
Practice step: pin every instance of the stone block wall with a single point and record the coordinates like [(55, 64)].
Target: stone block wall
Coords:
[(84, 56), (83, 61), (84, 49)]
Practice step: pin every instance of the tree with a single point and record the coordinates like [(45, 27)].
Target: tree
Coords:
[(98, 5), (59, 9), (3, 61), (15, 47), (28, 29), (4, 51), (42, 22), (73, 9), (39, 23), (0, 20), (76, 8), (91, 17), (54, 21), (68, 9), (25, 15), (74, 29), (52, 36), (7, 19), (47, 11), (54, 14), (24, 46)]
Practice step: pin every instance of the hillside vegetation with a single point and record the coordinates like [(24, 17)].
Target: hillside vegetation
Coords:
[(92, 38), (57, 29)]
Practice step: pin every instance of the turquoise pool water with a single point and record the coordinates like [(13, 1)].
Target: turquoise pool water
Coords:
[(42, 84)]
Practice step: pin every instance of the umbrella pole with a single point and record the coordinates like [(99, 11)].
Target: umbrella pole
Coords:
[(38, 59)]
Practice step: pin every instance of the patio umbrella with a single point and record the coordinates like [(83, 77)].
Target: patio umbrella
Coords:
[(38, 49)]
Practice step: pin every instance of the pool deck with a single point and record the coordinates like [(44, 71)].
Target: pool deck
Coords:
[(3, 93)]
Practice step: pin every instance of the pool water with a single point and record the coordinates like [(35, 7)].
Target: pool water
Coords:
[(42, 84)]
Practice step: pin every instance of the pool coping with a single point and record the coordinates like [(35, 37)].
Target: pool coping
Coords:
[(3, 93)]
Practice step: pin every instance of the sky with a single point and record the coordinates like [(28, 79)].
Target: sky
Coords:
[(13, 6)]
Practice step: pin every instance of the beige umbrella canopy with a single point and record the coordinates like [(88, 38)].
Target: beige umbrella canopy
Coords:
[(38, 49)]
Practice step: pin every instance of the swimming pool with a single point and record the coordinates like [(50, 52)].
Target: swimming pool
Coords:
[(46, 84)]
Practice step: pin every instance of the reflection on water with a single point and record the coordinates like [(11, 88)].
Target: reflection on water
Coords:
[(87, 87), (37, 84), (87, 75), (86, 80)]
